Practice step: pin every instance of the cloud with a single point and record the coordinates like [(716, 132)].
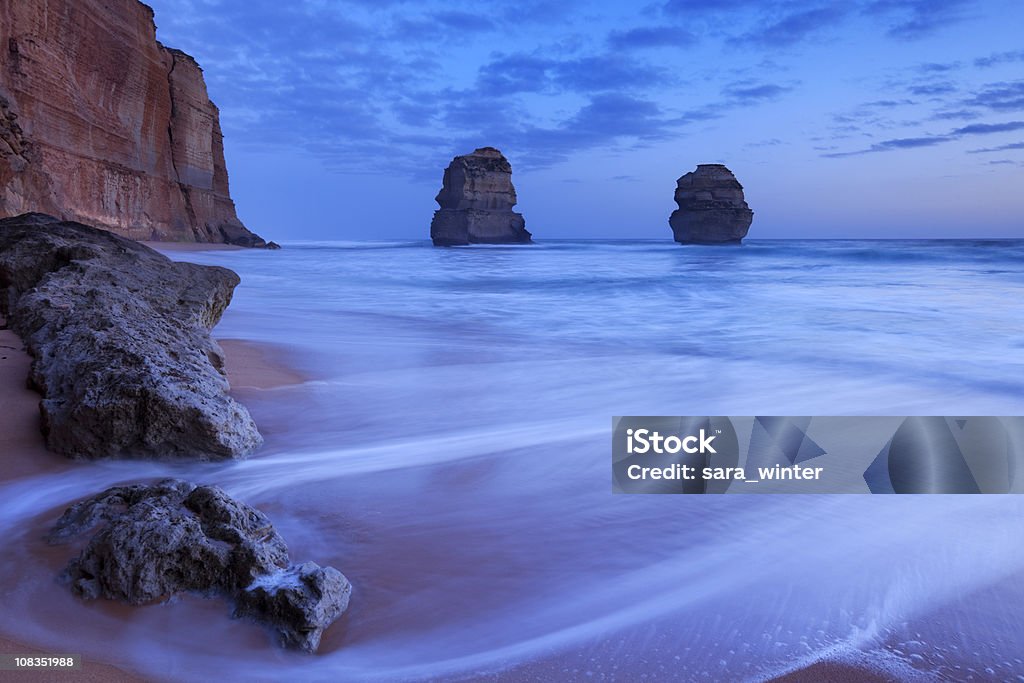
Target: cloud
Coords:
[(1000, 148), (914, 19), (650, 37), (608, 72), (931, 89), (755, 93), (1000, 97), (464, 21), (530, 73), (696, 7), (794, 27), (932, 140), (509, 74), (986, 128), (936, 67), (1000, 58), (954, 115)]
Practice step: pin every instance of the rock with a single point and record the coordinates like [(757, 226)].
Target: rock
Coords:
[(150, 542), (110, 127), (120, 340), (711, 207), (301, 601), (476, 201)]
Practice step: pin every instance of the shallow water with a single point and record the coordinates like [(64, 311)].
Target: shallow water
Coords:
[(451, 457)]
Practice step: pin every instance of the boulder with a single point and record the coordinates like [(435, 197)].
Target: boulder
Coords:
[(150, 542), (712, 209), (476, 200), (120, 340)]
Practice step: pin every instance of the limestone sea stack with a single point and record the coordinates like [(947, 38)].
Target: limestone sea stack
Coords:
[(712, 209), (100, 123), (476, 201), (149, 542), (120, 342)]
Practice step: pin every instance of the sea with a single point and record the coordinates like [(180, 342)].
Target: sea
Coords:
[(449, 452)]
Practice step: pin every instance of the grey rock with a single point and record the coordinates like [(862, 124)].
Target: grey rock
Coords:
[(712, 209), (301, 601), (150, 542), (119, 336), (476, 200)]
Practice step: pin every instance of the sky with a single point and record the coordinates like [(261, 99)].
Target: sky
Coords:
[(851, 118)]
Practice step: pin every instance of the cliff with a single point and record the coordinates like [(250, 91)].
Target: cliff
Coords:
[(100, 123), (712, 209), (476, 200)]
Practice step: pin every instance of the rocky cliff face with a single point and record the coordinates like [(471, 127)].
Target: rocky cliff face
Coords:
[(100, 123), (712, 209), (476, 201)]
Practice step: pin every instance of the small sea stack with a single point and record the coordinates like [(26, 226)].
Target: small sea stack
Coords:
[(712, 209), (476, 201)]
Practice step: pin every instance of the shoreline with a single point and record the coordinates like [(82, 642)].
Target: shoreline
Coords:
[(258, 366), (191, 246), (250, 366)]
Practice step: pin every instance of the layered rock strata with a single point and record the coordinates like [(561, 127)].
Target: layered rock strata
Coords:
[(712, 209), (149, 542), (102, 124), (476, 201), (120, 341)]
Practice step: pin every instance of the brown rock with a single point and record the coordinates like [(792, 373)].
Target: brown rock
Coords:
[(712, 209), (476, 201), (100, 123)]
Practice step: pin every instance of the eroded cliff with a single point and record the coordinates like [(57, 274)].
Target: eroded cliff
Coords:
[(100, 123)]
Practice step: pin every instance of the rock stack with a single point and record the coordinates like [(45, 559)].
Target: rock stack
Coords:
[(476, 201), (712, 209)]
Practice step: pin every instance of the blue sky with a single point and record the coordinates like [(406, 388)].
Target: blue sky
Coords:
[(855, 118)]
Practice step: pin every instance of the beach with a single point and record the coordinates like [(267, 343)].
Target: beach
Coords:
[(436, 426), (250, 367)]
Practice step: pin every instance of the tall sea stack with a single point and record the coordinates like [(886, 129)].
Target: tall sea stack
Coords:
[(712, 209), (476, 201), (101, 124)]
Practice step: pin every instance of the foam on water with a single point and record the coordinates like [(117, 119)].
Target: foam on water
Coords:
[(451, 457)]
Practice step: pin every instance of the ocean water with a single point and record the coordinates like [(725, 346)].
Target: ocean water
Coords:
[(450, 453)]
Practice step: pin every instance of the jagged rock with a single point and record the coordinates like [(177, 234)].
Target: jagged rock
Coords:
[(152, 541), (113, 128), (301, 601), (711, 207), (119, 336), (476, 201)]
